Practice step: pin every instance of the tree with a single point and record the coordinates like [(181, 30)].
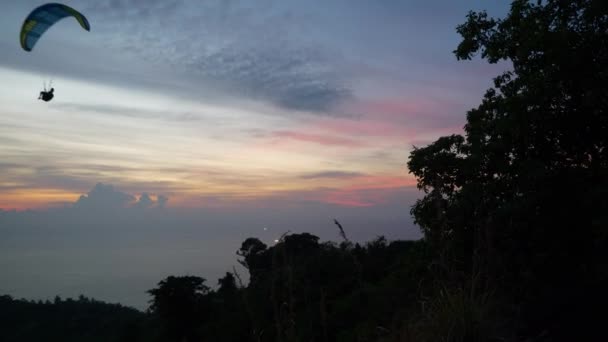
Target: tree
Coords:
[(227, 284), (251, 250), (521, 198), (179, 303)]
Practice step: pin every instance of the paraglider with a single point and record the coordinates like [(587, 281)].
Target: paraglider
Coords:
[(43, 17), (39, 21)]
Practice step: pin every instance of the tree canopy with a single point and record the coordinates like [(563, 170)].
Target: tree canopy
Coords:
[(520, 199)]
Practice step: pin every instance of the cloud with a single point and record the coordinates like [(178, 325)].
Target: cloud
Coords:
[(327, 140), (427, 113), (255, 51), (104, 197), (71, 177), (292, 78), (370, 191), (332, 174), (144, 201), (126, 111), (162, 201)]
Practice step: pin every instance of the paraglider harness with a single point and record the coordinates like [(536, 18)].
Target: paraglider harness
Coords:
[(46, 95)]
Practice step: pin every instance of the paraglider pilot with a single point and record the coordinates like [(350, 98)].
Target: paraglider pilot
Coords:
[(46, 95)]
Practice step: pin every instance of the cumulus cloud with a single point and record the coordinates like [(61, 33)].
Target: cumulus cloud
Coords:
[(104, 197), (144, 201), (162, 201)]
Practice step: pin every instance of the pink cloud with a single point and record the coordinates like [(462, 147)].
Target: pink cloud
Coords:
[(382, 122), (393, 119), (368, 128), (389, 108), (423, 113), (348, 199), (367, 191), (363, 197)]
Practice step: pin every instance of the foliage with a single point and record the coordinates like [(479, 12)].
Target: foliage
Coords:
[(68, 320), (300, 289), (178, 302), (521, 198)]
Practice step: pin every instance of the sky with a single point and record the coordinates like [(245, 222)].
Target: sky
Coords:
[(181, 127)]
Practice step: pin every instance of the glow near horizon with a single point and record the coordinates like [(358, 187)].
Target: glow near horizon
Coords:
[(184, 159)]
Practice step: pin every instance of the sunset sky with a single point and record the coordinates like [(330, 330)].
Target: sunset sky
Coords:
[(208, 102), (229, 107)]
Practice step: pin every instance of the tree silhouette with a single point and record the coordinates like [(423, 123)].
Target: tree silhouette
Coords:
[(227, 284), (70, 320), (179, 303), (520, 200)]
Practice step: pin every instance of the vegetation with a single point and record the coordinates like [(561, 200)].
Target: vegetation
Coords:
[(514, 215), (300, 290), (69, 320), (517, 208)]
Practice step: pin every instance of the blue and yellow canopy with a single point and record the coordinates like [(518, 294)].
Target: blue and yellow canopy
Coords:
[(43, 17)]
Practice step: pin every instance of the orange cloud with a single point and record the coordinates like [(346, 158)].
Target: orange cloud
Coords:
[(357, 190), (21, 199)]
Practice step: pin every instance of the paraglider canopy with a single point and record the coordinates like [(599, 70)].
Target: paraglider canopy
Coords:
[(43, 17)]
